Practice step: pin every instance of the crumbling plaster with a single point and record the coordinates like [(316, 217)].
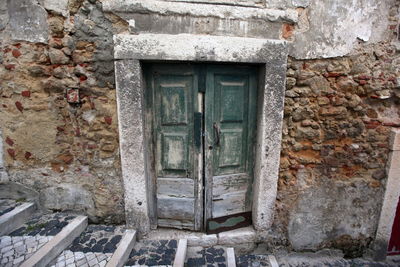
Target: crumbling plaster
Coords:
[(336, 27), (322, 29)]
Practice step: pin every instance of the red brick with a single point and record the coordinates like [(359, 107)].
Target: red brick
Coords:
[(11, 152), (19, 106), (16, 53), (28, 155), (9, 141), (26, 93), (9, 66), (108, 120)]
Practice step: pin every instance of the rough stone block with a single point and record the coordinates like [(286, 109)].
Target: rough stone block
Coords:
[(67, 197), (238, 236), (28, 21), (58, 7)]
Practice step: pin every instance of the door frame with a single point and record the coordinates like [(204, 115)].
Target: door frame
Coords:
[(131, 50)]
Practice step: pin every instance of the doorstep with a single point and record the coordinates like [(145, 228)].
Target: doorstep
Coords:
[(241, 237)]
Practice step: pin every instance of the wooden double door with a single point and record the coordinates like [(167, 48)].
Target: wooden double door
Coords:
[(203, 130)]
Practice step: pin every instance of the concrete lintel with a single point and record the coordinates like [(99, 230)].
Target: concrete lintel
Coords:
[(15, 218), (188, 47), (391, 199), (122, 7), (124, 248), (56, 245)]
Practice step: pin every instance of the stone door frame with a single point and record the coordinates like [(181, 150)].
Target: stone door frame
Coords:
[(131, 50), (391, 198)]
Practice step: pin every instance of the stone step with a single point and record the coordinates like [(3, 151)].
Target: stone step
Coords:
[(20, 244), (30, 237), (153, 253), (7, 205), (15, 216), (180, 255), (57, 244), (215, 256), (124, 248), (93, 247)]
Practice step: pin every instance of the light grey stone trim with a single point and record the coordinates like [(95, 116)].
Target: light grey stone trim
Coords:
[(270, 54), (122, 7), (125, 247), (15, 218), (391, 198), (230, 257), (180, 256), (57, 244), (3, 173), (128, 79), (198, 48)]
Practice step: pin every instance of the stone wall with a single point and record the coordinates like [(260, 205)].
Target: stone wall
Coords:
[(62, 144), (342, 98), (338, 116)]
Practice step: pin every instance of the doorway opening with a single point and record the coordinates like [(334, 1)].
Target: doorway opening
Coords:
[(200, 122)]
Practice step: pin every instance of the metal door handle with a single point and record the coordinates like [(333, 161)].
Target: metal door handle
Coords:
[(217, 134)]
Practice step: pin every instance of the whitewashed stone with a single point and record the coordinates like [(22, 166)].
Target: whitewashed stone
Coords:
[(28, 21), (58, 6), (238, 236)]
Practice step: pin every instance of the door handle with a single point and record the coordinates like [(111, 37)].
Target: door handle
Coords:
[(217, 134)]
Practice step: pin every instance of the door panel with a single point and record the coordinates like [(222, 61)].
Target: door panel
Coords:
[(230, 132), (176, 162), (203, 120)]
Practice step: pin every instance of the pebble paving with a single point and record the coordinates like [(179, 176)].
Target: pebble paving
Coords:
[(94, 247), (153, 253), (252, 261), (44, 225), (313, 261), (19, 245), (80, 259), (15, 249), (210, 257)]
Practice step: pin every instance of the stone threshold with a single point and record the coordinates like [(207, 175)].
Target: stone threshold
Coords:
[(233, 238)]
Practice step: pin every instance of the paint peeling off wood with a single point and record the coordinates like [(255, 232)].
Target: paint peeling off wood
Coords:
[(175, 208), (182, 224), (230, 183), (175, 187), (229, 204)]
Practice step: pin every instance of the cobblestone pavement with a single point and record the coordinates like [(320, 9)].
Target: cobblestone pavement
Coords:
[(316, 260), (94, 247), (80, 259), (15, 249), (153, 253), (7, 205), (98, 238), (252, 260), (45, 225), (210, 257)]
